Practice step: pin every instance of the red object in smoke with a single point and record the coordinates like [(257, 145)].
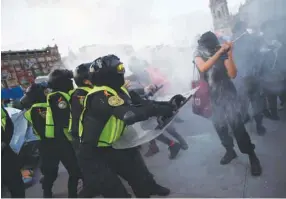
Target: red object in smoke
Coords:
[(158, 79), (201, 100)]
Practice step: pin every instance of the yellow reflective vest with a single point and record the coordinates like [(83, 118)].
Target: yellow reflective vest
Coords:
[(114, 127), (3, 118), (87, 89), (50, 127), (28, 116)]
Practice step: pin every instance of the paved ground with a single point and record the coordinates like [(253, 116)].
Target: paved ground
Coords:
[(197, 172)]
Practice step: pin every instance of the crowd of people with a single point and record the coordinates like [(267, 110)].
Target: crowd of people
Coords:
[(77, 126)]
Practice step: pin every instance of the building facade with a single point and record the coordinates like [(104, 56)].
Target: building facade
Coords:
[(221, 16), (22, 67)]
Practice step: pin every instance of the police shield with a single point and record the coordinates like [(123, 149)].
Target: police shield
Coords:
[(145, 131)]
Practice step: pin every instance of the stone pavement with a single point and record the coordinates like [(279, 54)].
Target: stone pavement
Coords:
[(197, 172)]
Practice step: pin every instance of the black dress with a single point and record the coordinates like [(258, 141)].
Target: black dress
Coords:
[(226, 108)]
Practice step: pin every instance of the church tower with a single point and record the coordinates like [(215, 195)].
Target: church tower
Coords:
[(220, 15)]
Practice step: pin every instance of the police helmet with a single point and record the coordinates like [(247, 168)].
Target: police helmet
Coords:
[(109, 63), (107, 69), (60, 79), (81, 73)]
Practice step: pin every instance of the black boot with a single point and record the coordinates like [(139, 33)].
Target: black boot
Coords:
[(47, 194), (274, 116), (174, 150), (255, 166), (160, 190), (228, 156), (179, 138), (267, 113)]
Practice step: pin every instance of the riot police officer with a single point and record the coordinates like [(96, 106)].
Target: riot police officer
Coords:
[(35, 103), (77, 98), (57, 123), (108, 108), (11, 175)]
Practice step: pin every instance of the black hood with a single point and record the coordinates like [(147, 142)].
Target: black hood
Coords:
[(209, 41)]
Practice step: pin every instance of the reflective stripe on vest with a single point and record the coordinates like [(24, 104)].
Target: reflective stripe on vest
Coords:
[(28, 116), (50, 128), (87, 89), (3, 118), (114, 127)]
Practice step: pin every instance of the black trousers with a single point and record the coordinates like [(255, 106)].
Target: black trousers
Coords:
[(52, 153), (272, 103), (251, 93), (11, 174), (102, 166), (239, 132)]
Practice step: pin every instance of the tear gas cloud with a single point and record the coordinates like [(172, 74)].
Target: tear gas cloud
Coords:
[(161, 32), (260, 54)]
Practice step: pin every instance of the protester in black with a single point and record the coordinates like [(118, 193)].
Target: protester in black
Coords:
[(217, 67)]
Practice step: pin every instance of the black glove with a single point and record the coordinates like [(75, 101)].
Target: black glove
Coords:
[(164, 109), (135, 97), (177, 101)]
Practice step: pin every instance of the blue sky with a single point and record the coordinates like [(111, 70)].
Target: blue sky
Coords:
[(73, 23)]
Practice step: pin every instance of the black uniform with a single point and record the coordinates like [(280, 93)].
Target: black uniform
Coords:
[(10, 166), (62, 150), (101, 165)]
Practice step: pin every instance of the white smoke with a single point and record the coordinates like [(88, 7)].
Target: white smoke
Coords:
[(122, 27)]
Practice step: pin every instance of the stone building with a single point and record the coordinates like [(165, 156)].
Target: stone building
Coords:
[(221, 16), (22, 67)]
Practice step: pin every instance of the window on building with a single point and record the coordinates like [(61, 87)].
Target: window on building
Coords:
[(218, 14), (223, 11), (41, 59)]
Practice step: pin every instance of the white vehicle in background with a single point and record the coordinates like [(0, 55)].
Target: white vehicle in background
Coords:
[(41, 79)]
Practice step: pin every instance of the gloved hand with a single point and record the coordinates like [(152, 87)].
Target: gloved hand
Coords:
[(165, 109), (177, 101)]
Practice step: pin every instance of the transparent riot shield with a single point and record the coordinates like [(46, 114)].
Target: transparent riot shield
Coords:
[(145, 131)]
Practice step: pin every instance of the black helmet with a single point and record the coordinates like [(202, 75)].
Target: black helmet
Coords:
[(107, 70), (81, 73), (61, 80), (35, 93)]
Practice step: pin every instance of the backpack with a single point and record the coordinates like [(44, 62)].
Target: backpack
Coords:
[(201, 100)]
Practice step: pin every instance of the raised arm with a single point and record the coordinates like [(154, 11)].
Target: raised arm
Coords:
[(204, 66), (229, 64)]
